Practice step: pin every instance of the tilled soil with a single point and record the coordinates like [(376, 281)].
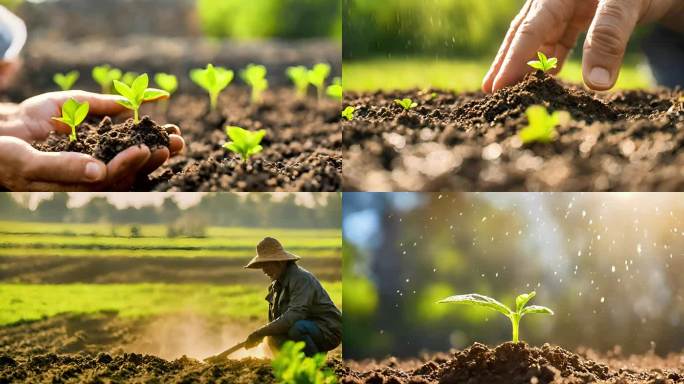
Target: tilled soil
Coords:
[(106, 140), (302, 147), (517, 363), (627, 140)]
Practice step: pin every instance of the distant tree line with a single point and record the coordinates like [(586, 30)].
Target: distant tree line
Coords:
[(222, 209)]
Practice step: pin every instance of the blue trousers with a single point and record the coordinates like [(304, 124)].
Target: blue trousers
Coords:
[(306, 331)]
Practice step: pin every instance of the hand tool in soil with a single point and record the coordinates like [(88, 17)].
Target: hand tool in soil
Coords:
[(223, 355)]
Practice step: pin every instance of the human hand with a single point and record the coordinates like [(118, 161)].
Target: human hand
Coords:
[(553, 26), (24, 168), (253, 340)]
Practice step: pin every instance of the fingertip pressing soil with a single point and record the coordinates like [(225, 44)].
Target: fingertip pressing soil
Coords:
[(106, 140), (626, 140), (511, 363)]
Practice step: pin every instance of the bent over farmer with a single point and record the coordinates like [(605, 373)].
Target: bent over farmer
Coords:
[(299, 308)]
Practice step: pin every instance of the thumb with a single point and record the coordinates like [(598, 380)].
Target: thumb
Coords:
[(604, 47), (64, 167), (99, 104)]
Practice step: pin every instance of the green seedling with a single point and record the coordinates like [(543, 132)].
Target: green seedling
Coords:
[(335, 89), (255, 76), (129, 77), (213, 80), (406, 103), (543, 63), (167, 82), (542, 126), (291, 366), (300, 77), (515, 316), (105, 75), (66, 80), (317, 76), (348, 113), (244, 142), (73, 114), (138, 93)]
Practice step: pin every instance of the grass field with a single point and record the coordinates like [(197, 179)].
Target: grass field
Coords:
[(457, 75), (59, 239), (25, 302)]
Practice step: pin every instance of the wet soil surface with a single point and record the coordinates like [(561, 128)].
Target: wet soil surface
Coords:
[(518, 363), (95, 348), (106, 140), (627, 140)]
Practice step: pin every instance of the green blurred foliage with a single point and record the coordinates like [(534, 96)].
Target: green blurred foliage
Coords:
[(261, 19), (11, 4)]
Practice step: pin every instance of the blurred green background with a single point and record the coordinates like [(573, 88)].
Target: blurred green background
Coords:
[(441, 43), (609, 265)]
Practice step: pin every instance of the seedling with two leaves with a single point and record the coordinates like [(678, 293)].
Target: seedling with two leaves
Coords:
[(255, 76), (406, 103), (73, 114), (543, 64), (105, 75), (542, 125), (335, 89), (300, 77), (244, 142), (168, 83), (213, 80), (137, 94), (66, 80), (521, 309), (291, 366), (317, 76)]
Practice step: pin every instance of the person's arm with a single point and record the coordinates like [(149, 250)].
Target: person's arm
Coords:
[(553, 26)]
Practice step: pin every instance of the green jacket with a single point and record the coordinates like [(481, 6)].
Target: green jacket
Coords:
[(298, 295)]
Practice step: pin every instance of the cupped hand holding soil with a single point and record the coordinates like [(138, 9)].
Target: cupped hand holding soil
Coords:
[(24, 168)]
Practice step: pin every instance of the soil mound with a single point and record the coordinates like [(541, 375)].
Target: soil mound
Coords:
[(509, 363), (105, 140)]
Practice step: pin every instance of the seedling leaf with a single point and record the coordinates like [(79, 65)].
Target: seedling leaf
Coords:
[(544, 64), (406, 103), (137, 94), (73, 114), (213, 80), (514, 316), (104, 75), (128, 78), (300, 77), (317, 76), (167, 82), (244, 142), (348, 113), (255, 76), (66, 81), (335, 89), (542, 126)]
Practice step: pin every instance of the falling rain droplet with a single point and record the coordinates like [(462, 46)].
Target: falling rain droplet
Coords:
[(603, 299), (612, 269)]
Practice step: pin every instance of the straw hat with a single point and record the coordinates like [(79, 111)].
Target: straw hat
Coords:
[(268, 250)]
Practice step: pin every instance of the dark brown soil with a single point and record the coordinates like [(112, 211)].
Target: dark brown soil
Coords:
[(626, 140), (106, 140), (302, 146), (517, 363)]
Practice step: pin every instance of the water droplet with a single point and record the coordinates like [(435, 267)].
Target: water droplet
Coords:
[(603, 299), (584, 213), (612, 269)]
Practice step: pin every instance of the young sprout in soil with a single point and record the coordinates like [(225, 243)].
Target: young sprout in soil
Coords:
[(244, 142), (213, 80), (335, 89), (255, 76), (291, 366), (73, 114), (129, 77), (348, 113), (406, 103), (137, 93), (167, 82), (317, 76), (300, 77), (66, 80), (105, 75), (487, 302), (543, 63), (542, 126)]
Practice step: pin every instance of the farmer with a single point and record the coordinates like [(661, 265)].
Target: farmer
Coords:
[(299, 309), (553, 26), (24, 168)]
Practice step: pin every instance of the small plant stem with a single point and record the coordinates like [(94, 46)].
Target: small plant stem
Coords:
[(135, 116), (515, 321), (72, 137)]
